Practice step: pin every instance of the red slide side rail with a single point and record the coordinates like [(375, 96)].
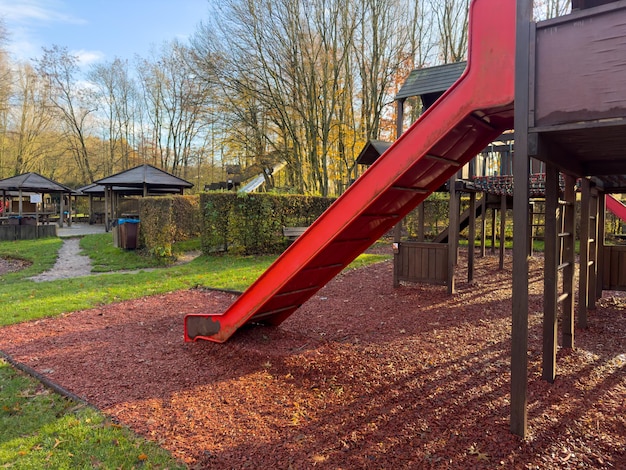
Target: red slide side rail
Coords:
[(616, 207), (473, 112)]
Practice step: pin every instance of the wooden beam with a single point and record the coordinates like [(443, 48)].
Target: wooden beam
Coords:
[(583, 276), (502, 229), (601, 235), (550, 274), (593, 249), (569, 226), (519, 324), (483, 226), (453, 234), (471, 245)]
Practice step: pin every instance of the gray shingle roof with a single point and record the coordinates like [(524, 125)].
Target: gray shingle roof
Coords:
[(32, 182), (144, 174), (372, 150), (431, 80)]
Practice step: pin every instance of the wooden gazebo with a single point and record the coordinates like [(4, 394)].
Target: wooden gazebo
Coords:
[(29, 219), (143, 180)]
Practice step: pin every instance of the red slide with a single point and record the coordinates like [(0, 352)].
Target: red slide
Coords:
[(473, 112), (615, 206)]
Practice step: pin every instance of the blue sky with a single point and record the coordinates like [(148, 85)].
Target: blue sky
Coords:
[(98, 30)]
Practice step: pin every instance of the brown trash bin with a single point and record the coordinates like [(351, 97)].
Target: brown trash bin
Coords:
[(128, 231)]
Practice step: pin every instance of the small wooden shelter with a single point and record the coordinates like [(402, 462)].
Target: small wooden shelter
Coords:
[(33, 212), (143, 180)]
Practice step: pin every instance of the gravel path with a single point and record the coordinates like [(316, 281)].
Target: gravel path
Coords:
[(70, 263)]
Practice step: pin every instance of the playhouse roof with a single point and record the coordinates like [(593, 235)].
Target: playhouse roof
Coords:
[(431, 80), (372, 150)]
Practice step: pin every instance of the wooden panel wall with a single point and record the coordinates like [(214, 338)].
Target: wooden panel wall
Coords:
[(614, 267), (421, 262), (580, 66)]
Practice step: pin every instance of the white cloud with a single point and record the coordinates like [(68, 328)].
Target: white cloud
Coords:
[(24, 18), (25, 11), (88, 57)]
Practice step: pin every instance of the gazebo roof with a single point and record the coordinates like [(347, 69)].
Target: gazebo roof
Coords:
[(94, 189), (145, 175), (32, 182)]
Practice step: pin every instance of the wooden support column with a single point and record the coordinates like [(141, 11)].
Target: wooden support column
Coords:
[(471, 242), (502, 229), (453, 234), (600, 244), (593, 249), (550, 274), (493, 231), (107, 226), (61, 209), (519, 323), (583, 276), (422, 222), (483, 225), (531, 224), (69, 209), (569, 237), (397, 235)]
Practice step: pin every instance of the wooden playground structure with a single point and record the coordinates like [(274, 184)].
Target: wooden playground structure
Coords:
[(570, 112), (561, 84)]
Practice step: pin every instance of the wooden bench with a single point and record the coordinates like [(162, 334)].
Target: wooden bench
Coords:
[(291, 233)]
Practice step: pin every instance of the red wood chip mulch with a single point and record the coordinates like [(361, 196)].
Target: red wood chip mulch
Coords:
[(363, 376)]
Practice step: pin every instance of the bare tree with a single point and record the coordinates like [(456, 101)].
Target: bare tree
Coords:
[(71, 101), (116, 96), (32, 122), (5, 91), (308, 79), (452, 17), (545, 9), (176, 104)]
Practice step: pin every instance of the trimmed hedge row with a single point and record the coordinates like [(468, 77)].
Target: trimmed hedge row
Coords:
[(166, 220), (252, 223)]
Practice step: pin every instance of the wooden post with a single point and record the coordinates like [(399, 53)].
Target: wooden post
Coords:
[(493, 230), (502, 228), (569, 227), (398, 227), (519, 324), (531, 232), (397, 235), (422, 222), (453, 230), (483, 226), (471, 242), (593, 249), (550, 274), (583, 276), (600, 244), (61, 209)]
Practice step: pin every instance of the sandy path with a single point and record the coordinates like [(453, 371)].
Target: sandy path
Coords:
[(70, 263)]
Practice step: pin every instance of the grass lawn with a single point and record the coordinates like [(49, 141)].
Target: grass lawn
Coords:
[(40, 429)]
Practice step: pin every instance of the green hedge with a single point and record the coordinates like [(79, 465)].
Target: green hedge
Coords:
[(252, 223), (166, 220)]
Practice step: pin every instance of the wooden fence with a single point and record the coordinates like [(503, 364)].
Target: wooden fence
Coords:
[(614, 267), (26, 232)]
